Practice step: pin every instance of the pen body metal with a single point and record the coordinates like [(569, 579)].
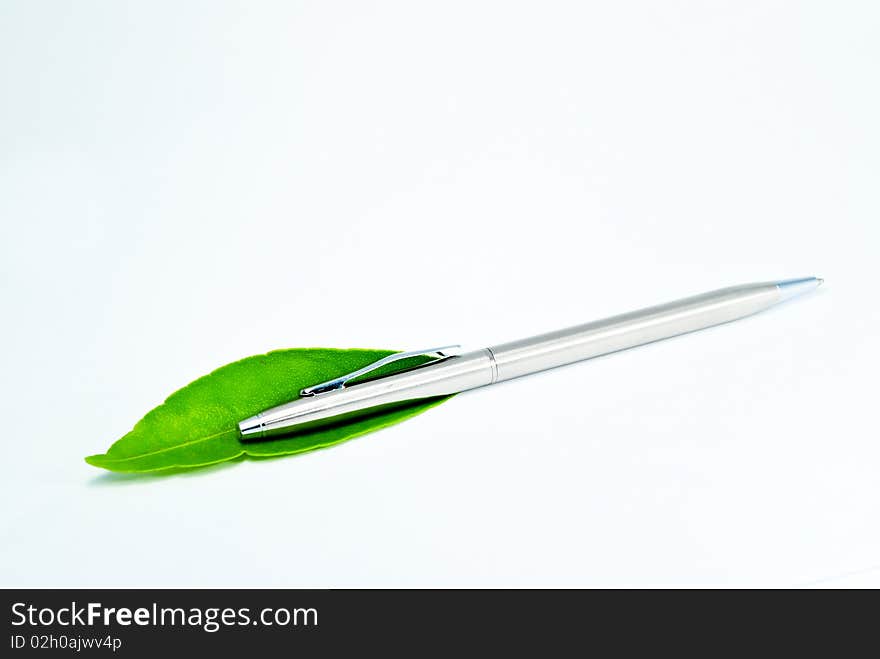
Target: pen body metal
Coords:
[(526, 356), (574, 344)]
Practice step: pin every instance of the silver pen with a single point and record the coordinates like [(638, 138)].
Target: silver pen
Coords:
[(451, 372)]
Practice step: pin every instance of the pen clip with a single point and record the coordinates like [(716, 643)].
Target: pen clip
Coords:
[(443, 352)]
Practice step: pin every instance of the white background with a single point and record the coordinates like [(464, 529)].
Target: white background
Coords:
[(186, 184)]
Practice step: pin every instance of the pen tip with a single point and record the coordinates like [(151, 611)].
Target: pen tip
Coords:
[(791, 287)]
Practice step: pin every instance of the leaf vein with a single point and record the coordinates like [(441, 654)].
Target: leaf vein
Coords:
[(170, 448)]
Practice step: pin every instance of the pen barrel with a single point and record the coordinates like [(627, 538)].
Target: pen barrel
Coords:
[(516, 358), (574, 344)]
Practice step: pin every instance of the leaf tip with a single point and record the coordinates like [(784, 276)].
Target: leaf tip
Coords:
[(96, 460)]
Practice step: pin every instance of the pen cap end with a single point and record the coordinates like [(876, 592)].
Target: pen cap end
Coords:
[(251, 428)]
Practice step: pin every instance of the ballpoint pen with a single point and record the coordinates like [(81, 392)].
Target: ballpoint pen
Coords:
[(451, 372)]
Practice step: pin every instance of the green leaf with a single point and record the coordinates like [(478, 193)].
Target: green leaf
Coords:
[(198, 425)]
